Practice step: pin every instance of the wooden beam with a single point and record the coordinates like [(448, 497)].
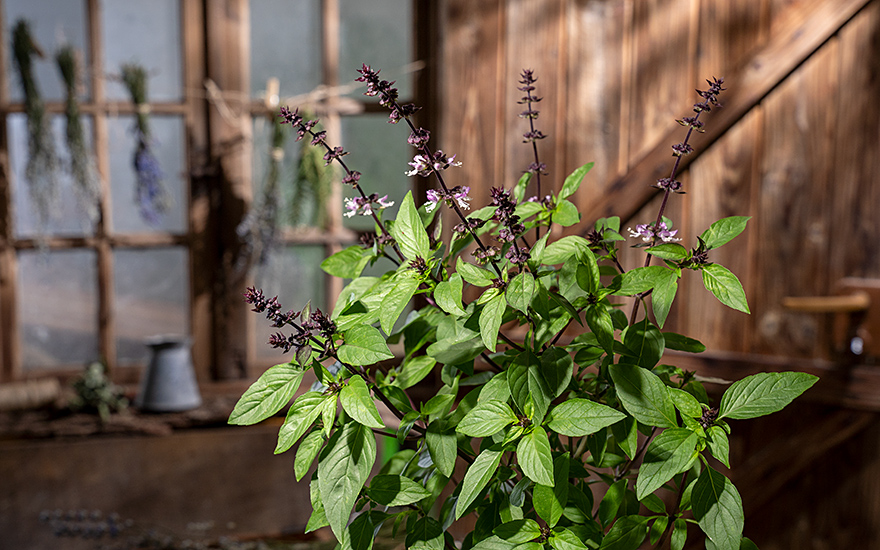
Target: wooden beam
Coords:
[(804, 28)]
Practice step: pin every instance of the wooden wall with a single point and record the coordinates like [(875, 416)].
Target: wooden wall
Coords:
[(796, 147), (615, 75)]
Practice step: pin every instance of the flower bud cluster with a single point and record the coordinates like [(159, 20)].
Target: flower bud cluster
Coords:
[(316, 322), (387, 94), (511, 227)]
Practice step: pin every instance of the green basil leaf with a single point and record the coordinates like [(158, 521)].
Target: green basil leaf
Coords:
[(563, 539), (549, 502), (669, 251), (559, 251), (490, 321), (268, 395), (448, 295), (722, 231), (763, 393), (318, 519), (347, 263), (719, 444), (534, 457), (669, 454), (566, 214), (599, 321), (643, 395), (396, 301), (557, 368), (519, 190), (638, 280), (409, 232), (364, 345), (477, 476), (627, 533), (665, 287), (679, 534), (306, 453), (579, 417), (718, 508), (358, 403), (476, 276), (343, 468), (487, 418), (299, 418), (611, 502), (520, 291), (425, 533), (391, 490), (442, 447), (573, 181), (686, 403), (725, 286), (679, 342), (413, 371), (518, 531)]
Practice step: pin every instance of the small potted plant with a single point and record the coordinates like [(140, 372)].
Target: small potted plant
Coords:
[(549, 437)]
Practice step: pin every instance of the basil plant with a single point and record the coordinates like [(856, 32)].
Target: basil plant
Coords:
[(556, 423)]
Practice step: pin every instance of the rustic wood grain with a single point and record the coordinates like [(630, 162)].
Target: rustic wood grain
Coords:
[(801, 31), (853, 248), (471, 111), (793, 209), (660, 71), (594, 94)]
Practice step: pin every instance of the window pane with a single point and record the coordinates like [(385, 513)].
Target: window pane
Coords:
[(285, 44), (169, 148), (57, 308), (152, 298), (68, 215), (53, 24), (147, 33), (378, 33), (380, 152), (300, 190), (294, 275)]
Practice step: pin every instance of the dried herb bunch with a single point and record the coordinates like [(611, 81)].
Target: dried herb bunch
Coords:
[(42, 162), (151, 194), (535, 431), (82, 164)]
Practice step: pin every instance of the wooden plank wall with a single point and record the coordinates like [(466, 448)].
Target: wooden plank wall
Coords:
[(802, 162), (615, 74)]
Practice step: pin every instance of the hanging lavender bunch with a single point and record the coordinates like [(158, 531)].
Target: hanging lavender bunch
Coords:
[(258, 230), (152, 196), (82, 165), (42, 160)]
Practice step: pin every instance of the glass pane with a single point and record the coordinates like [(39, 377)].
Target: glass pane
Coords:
[(285, 44), (379, 151), (147, 33), (378, 33), (294, 275), (57, 308), (152, 298), (169, 148), (301, 190), (69, 213), (53, 24)]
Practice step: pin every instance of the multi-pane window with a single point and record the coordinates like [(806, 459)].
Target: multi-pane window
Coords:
[(73, 291)]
